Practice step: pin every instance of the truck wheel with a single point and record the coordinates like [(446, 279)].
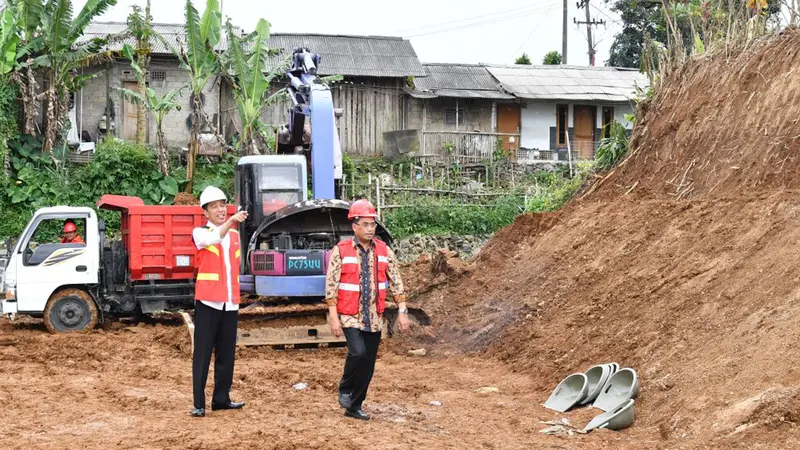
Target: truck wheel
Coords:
[(70, 310)]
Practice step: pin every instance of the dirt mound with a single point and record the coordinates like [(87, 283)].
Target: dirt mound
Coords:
[(721, 126), (690, 279), (186, 199)]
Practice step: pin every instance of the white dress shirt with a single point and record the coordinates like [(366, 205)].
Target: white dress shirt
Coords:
[(203, 237)]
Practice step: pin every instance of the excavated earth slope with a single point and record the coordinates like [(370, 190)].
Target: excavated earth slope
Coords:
[(683, 264)]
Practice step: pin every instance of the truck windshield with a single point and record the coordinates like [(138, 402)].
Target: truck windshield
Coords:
[(280, 183)]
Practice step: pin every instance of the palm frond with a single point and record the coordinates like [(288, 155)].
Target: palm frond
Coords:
[(89, 12)]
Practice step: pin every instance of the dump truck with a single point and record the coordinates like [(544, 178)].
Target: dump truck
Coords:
[(151, 268)]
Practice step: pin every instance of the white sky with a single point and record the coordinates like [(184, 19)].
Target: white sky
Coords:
[(465, 31)]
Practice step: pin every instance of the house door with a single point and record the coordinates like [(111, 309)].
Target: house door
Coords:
[(508, 118), (584, 131), (129, 114)]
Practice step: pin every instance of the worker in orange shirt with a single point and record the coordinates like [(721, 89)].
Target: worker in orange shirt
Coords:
[(71, 235)]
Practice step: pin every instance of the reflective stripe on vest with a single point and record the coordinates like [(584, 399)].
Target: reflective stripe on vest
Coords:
[(212, 278), (350, 279)]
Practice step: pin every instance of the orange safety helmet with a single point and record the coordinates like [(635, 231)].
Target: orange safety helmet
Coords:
[(70, 227), (361, 208)]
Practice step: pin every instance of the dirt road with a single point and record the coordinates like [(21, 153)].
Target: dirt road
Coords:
[(131, 388)]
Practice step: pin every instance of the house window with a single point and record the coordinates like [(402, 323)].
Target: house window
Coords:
[(158, 75), (608, 119), (561, 124), (450, 116)]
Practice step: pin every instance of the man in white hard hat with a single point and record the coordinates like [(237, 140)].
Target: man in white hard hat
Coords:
[(216, 301)]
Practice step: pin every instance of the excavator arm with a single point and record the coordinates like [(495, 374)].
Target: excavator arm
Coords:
[(312, 104)]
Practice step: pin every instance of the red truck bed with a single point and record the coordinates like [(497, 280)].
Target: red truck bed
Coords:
[(158, 239)]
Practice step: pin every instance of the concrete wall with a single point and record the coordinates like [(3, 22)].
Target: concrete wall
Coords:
[(91, 100), (537, 118), (539, 121)]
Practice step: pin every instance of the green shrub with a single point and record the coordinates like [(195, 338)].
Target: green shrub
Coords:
[(449, 216), (554, 190), (613, 148)]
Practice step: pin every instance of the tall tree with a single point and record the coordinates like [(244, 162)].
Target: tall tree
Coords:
[(58, 41), (693, 19), (200, 59), (159, 106), (638, 19), (246, 68), (9, 42), (141, 27)]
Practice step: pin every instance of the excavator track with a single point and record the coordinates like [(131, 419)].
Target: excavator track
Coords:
[(288, 324)]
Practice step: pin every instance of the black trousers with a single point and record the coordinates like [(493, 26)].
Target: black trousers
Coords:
[(362, 350), (214, 331)]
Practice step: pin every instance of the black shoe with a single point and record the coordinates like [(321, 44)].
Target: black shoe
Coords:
[(198, 412), (345, 401), (230, 405), (357, 414)]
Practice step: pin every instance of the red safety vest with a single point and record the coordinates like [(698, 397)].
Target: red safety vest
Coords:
[(350, 280), (212, 278)]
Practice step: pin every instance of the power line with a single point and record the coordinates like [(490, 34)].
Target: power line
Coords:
[(474, 24), (589, 24), (466, 19), (604, 13), (532, 30)]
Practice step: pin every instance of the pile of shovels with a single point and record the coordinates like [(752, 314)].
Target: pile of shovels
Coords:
[(606, 387)]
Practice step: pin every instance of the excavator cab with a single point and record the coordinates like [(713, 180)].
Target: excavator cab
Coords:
[(265, 184)]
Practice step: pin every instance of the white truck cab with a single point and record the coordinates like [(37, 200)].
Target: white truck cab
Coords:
[(44, 277)]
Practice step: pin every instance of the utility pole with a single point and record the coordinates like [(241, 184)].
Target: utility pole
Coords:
[(564, 33), (589, 24)]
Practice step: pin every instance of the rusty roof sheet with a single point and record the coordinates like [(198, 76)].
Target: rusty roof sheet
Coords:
[(172, 33), (458, 80), (369, 56), (578, 83)]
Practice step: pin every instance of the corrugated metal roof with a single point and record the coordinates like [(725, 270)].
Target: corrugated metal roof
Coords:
[(569, 82), (173, 34), (458, 80), (367, 56)]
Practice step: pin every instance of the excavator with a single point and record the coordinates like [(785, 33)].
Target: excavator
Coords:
[(287, 240)]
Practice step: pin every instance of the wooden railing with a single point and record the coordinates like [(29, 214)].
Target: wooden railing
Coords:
[(464, 146)]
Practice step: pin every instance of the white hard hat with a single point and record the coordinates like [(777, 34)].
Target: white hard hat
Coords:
[(211, 194)]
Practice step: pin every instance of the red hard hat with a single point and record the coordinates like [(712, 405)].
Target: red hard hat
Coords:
[(69, 227), (362, 208)]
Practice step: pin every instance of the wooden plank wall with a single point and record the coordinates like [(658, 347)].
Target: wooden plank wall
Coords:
[(371, 107)]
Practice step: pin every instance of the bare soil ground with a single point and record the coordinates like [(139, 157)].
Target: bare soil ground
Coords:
[(131, 388)]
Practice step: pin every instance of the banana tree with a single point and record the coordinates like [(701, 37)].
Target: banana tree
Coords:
[(200, 59), (57, 40), (141, 27), (158, 106), (9, 40), (246, 68)]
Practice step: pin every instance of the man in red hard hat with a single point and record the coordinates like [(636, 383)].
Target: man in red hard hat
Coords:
[(360, 272), (71, 235)]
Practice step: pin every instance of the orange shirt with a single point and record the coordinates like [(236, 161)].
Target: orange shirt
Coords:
[(76, 240)]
